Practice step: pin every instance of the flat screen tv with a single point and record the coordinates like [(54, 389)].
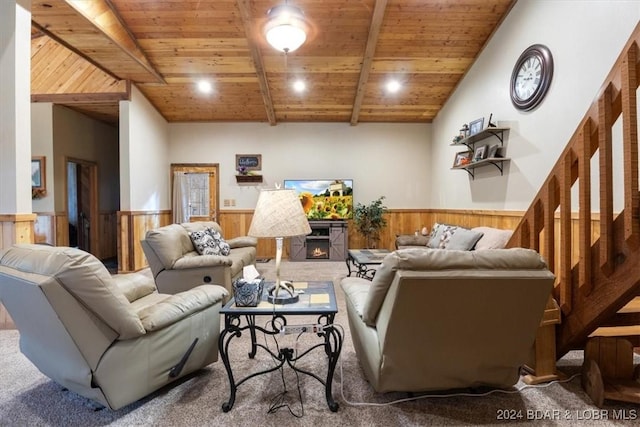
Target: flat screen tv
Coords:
[(324, 199)]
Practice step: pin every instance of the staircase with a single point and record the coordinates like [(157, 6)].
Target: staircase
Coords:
[(596, 259)]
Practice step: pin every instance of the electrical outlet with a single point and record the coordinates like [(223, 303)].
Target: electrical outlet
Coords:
[(298, 329)]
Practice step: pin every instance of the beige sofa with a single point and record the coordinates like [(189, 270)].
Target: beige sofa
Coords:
[(112, 339), (176, 266), (435, 320), (453, 237)]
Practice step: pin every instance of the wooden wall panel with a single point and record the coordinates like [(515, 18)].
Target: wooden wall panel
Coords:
[(132, 227), (14, 228), (53, 228), (399, 221), (107, 234)]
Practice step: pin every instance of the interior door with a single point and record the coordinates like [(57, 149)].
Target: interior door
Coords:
[(85, 216), (203, 197), (82, 205)]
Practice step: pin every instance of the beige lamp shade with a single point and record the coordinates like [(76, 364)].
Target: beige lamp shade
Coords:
[(279, 213)]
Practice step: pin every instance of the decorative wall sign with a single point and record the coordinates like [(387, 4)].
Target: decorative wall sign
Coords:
[(248, 162)]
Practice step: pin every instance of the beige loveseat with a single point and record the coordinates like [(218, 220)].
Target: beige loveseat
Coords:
[(176, 266), (435, 319), (453, 237), (112, 339)]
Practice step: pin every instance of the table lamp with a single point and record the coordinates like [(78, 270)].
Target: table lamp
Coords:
[(279, 214)]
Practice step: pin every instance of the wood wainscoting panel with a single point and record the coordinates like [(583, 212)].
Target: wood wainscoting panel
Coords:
[(108, 234), (14, 228), (399, 221), (132, 227), (236, 223), (45, 228)]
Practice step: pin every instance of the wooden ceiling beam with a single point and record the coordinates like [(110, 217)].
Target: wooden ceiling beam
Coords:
[(245, 13), (370, 50), (82, 98), (105, 17)]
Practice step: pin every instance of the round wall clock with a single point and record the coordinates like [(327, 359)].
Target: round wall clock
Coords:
[(531, 77)]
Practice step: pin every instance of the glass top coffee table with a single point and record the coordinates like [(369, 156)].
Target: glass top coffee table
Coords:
[(317, 298), (365, 261)]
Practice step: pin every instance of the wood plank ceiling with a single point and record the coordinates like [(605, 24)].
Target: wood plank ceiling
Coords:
[(87, 53)]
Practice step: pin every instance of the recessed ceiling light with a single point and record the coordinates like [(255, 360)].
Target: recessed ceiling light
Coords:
[(299, 86), (393, 86), (205, 86)]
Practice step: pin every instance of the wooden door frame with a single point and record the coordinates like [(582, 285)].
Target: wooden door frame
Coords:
[(94, 248), (200, 168)]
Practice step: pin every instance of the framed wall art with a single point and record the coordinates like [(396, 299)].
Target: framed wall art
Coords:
[(38, 173), (480, 153), (493, 151), (476, 126), (462, 158)]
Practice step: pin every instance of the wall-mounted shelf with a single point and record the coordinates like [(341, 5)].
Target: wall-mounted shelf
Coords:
[(495, 161), (248, 178), (470, 142)]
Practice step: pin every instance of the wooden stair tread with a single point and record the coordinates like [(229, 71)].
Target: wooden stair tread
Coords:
[(622, 390), (632, 307), (616, 331)]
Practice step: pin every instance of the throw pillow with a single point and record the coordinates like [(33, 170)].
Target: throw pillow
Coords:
[(219, 242), (436, 234), (493, 238), (204, 243), (463, 239), (447, 232)]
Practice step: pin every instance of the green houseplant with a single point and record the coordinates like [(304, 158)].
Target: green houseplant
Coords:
[(369, 220)]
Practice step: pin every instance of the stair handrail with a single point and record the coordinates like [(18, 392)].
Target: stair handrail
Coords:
[(590, 262)]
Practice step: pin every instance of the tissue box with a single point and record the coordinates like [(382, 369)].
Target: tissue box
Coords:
[(247, 293)]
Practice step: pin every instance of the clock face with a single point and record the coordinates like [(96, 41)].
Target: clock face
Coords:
[(531, 77)]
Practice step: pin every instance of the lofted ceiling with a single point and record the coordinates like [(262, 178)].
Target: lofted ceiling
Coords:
[(86, 54)]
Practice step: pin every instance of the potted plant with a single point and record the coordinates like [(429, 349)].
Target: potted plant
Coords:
[(369, 220)]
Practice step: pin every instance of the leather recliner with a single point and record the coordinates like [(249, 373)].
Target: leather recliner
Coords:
[(111, 339), (176, 266), (446, 319)]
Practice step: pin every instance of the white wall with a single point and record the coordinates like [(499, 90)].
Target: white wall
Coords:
[(42, 145), (15, 114), (144, 159), (585, 38), (388, 160), (80, 137)]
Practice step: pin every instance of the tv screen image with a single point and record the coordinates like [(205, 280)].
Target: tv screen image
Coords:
[(324, 199)]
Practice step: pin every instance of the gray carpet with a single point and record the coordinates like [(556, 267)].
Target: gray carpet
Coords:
[(29, 398)]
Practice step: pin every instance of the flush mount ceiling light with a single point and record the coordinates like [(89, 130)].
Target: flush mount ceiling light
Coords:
[(299, 86), (393, 86), (204, 86), (286, 28)]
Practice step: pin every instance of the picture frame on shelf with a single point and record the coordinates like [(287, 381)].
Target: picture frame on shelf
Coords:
[(462, 158), (480, 153), (476, 126), (38, 173), (493, 151)]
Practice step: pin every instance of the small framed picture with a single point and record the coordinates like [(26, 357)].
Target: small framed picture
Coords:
[(493, 151), (462, 158), (480, 153), (38, 173), (476, 126)]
